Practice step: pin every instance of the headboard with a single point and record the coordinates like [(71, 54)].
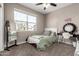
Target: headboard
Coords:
[(51, 29)]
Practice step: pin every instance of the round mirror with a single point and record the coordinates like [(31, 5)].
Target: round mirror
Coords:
[(69, 27)]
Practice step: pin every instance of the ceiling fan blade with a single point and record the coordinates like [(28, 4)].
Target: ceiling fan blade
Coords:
[(53, 4), (39, 3)]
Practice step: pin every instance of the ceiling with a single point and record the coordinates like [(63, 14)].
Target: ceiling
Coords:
[(40, 7)]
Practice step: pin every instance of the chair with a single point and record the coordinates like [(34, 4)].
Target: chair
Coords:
[(66, 36)]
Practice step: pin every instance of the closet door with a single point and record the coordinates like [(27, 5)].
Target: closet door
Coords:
[(1, 27)]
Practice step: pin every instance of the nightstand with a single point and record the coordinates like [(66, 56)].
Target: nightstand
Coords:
[(60, 39)]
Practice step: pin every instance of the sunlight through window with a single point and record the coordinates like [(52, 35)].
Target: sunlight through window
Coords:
[(24, 22)]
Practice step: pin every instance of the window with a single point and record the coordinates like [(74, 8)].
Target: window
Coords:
[(31, 23), (24, 22)]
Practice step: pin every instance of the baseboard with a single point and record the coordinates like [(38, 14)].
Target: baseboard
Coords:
[(66, 44), (21, 42), (18, 43)]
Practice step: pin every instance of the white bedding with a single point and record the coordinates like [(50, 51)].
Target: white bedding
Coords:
[(35, 38)]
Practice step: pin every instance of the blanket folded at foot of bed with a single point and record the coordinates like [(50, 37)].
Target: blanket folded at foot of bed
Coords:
[(46, 42)]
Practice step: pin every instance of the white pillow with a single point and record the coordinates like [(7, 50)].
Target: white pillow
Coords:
[(47, 33)]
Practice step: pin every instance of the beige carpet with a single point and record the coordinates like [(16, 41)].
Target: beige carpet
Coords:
[(28, 50)]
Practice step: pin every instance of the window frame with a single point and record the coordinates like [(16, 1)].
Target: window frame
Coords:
[(28, 14)]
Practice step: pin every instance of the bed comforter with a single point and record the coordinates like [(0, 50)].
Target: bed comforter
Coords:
[(46, 42), (42, 41)]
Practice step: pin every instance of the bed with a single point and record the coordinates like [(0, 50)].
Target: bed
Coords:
[(43, 41)]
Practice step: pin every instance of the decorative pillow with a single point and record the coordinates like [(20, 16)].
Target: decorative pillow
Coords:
[(53, 34), (47, 33)]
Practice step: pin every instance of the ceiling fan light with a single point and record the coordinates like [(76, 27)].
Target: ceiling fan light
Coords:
[(46, 5)]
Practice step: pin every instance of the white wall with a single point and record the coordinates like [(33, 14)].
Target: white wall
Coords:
[(1, 28)]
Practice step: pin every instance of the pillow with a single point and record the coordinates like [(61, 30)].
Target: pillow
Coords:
[(53, 34), (47, 33)]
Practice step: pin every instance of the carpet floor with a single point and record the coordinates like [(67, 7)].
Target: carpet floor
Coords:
[(28, 50)]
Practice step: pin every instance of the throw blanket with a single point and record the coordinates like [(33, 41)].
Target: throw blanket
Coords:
[(46, 42)]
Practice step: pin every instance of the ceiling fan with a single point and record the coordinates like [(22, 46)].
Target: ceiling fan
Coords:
[(46, 5)]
